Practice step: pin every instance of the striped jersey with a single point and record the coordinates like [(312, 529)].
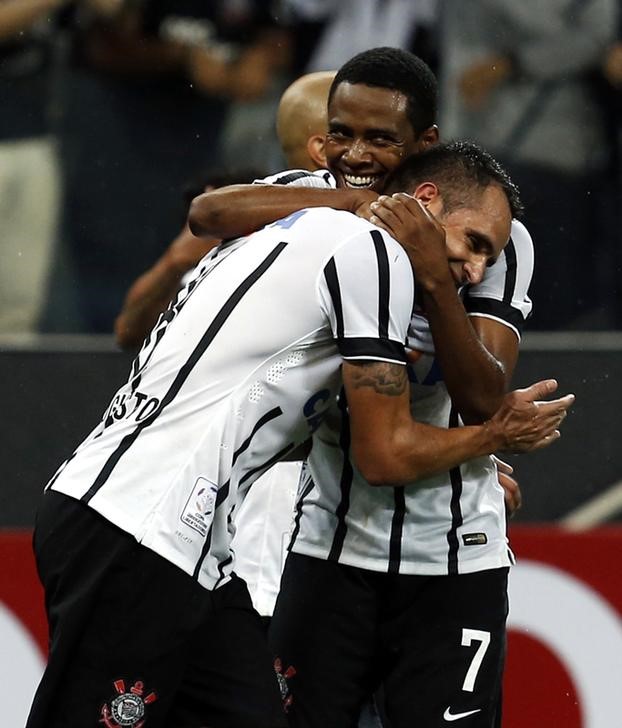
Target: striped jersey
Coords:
[(451, 523), (236, 373)]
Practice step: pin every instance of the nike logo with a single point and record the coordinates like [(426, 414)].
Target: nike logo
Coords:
[(449, 716)]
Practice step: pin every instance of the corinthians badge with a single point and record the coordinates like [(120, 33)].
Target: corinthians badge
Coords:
[(128, 708)]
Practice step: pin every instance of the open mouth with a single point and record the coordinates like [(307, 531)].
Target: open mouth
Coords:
[(360, 181)]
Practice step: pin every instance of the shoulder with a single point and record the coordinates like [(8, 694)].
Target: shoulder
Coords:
[(521, 239), (300, 178)]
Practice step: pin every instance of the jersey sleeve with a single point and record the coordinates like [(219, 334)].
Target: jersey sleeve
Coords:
[(321, 179), (503, 292), (367, 293)]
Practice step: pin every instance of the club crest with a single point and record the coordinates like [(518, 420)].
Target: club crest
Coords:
[(128, 708), (283, 676)]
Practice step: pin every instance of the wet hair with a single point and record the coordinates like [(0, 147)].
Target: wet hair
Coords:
[(460, 169), (398, 70)]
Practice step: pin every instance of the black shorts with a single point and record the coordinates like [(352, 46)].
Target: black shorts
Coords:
[(135, 641), (435, 645)]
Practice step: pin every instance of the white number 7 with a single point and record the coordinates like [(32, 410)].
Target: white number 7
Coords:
[(468, 636)]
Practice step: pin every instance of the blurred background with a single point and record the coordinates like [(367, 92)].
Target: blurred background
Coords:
[(114, 112)]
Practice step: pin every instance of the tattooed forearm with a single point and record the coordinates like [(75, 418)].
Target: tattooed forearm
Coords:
[(382, 377)]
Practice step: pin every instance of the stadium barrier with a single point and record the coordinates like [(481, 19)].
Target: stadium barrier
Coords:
[(565, 638), (564, 644)]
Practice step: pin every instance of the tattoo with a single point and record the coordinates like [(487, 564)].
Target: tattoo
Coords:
[(382, 377)]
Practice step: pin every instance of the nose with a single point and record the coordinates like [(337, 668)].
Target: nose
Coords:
[(357, 153), (474, 269)]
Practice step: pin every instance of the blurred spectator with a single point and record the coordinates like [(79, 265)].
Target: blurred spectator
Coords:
[(332, 31), (301, 128), (150, 294), (143, 104), (515, 76), (29, 180)]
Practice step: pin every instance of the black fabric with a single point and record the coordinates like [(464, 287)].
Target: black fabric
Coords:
[(343, 632), (126, 622)]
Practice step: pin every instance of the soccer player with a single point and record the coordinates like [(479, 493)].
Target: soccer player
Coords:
[(264, 521), (401, 554), (148, 622)]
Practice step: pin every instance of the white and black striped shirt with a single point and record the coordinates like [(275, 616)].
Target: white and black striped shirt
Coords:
[(236, 373), (448, 524)]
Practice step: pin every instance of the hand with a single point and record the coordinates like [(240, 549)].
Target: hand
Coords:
[(419, 233), (187, 250), (361, 201), (478, 81), (524, 423), (511, 489)]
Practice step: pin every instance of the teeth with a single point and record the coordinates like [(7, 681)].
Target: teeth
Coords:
[(356, 181)]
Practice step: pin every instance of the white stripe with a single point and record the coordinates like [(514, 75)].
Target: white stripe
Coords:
[(596, 511)]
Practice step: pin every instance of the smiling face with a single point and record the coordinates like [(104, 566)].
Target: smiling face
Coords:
[(369, 134), (475, 235)]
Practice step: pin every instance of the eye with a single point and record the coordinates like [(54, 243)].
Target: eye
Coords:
[(336, 134), (383, 141)]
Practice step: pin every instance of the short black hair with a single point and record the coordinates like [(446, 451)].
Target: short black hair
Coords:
[(399, 70), (460, 169)]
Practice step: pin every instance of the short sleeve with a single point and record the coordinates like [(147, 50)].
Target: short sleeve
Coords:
[(503, 292), (367, 293), (321, 179)]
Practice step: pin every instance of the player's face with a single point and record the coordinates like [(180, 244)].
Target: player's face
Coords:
[(475, 236), (369, 134)]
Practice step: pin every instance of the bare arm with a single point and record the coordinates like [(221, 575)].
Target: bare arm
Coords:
[(390, 448), (240, 209), (151, 293)]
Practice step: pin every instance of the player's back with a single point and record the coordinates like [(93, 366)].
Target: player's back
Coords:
[(237, 372)]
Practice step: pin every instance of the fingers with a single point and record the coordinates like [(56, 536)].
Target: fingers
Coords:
[(546, 441), (555, 408), (511, 493), (388, 210), (539, 390), (502, 466)]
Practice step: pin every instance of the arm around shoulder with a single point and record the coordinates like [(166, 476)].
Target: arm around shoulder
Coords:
[(240, 209)]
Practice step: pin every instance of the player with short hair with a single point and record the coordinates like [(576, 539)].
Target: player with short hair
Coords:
[(452, 530), (148, 622)]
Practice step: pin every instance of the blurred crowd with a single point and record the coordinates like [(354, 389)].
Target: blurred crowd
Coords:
[(111, 110)]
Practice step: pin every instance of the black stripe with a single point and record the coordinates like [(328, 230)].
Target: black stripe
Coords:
[(60, 470), (223, 564), (222, 494), (372, 349), (384, 286), (510, 275), (221, 569), (204, 550), (332, 281), (289, 178), (269, 416), (397, 526), (347, 475), (455, 477), (496, 309), (185, 371), (299, 505), (268, 463)]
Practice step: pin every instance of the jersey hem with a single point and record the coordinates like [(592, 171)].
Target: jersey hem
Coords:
[(493, 561)]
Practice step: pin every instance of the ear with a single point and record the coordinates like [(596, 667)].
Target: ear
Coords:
[(426, 192), (315, 150), (428, 138)]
